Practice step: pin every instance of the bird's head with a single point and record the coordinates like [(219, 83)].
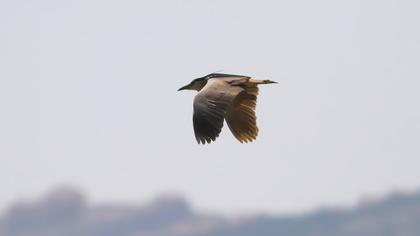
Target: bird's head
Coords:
[(196, 84)]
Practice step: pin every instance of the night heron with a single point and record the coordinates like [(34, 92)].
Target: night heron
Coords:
[(225, 97)]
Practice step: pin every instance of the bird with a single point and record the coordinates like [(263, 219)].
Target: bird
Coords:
[(225, 97)]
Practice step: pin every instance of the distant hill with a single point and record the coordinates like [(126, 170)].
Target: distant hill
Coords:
[(65, 212)]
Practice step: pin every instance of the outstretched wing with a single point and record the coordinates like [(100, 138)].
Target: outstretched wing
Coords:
[(241, 117), (210, 106)]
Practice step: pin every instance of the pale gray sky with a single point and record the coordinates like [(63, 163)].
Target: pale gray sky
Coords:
[(88, 97)]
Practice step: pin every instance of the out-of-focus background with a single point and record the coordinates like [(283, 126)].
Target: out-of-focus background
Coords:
[(95, 140)]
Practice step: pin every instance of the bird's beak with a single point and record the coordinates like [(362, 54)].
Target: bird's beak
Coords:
[(184, 88)]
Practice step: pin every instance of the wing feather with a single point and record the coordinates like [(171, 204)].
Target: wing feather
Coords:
[(210, 106), (241, 117)]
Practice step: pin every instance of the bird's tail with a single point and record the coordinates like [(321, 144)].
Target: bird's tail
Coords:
[(266, 81)]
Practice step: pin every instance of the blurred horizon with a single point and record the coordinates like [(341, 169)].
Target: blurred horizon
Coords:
[(72, 189), (67, 211)]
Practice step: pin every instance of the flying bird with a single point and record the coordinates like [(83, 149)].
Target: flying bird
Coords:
[(225, 97)]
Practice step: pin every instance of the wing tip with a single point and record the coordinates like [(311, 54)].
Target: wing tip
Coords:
[(246, 138), (206, 140)]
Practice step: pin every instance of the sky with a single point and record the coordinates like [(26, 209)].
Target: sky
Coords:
[(88, 97)]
